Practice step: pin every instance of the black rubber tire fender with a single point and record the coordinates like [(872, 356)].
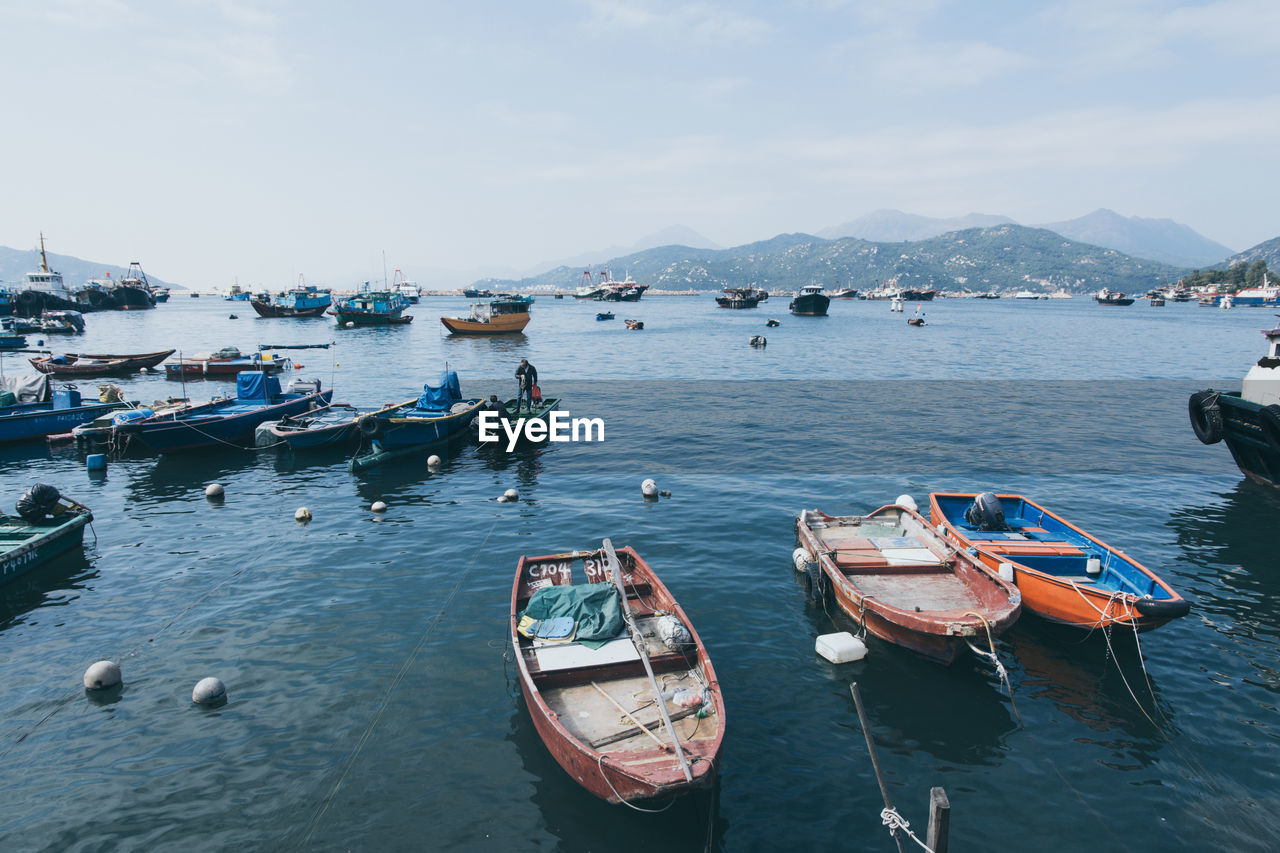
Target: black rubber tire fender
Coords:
[(1206, 416), (369, 426), (1269, 417), (1163, 608)]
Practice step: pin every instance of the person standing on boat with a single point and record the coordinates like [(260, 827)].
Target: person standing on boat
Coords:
[(527, 375)]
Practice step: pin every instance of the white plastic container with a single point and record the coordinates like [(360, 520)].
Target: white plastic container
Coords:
[(1006, 572), (1093, 567), (841, 647)]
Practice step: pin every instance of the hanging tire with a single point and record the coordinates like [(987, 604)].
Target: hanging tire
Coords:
[(369, 426), (1269, 417), (1206, 416)]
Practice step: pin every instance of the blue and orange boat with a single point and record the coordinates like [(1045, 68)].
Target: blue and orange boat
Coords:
[(1065, 575)]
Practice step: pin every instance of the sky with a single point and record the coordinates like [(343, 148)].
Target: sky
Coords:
[(220, 141)]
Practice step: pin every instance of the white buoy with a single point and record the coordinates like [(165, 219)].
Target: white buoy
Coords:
[(649, 489), (1006, 572), (800, 559), (433, 461), (378, 506), (907, 501), (214, 490), (102, 675), (303, 514), (209, 691), (511, 495), (350, 324), (841, 647)]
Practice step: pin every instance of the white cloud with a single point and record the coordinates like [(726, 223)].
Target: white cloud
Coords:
[(673, 20)]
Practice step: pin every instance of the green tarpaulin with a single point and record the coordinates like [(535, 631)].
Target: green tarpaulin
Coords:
[(594, 607)]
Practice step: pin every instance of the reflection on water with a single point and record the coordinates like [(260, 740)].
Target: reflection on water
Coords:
[(57, 583)]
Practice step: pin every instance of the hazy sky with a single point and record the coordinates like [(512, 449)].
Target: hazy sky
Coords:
[(213, 140)]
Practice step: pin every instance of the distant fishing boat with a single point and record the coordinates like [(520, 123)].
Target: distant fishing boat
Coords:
[(372, 308), (474, 293), (133, 292), (1110, 297), (590, 678), (301, 301), (845, 293), (810, 302), (226, 362), (738, 297), (605, 315), (48, 524), (408, 289), (231, 420), (502, 316), (45, 290), (235, 294), (1065, 575), (97, 364), (1266, 295)]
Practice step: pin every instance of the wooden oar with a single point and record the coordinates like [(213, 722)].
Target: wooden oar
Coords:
[(638, 641), (627, 714)]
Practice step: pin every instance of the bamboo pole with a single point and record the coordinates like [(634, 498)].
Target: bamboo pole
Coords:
[(638, 641), (627, 714), (875, 761)]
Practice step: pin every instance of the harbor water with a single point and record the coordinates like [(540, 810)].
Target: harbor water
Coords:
[(372, 699)]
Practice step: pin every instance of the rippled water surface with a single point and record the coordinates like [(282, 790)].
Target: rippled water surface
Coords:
[(371, 703)]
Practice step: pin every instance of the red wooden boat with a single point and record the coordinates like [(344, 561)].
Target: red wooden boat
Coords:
[(601, 713), (83, 364), (1065, 574), (892, 574)]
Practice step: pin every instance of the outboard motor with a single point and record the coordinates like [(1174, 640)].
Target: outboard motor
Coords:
[(986, 512), (38, 501), (302, 386)]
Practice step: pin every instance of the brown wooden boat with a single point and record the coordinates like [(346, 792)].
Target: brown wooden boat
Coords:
[(895, 576), (82, 364), (608, 714)]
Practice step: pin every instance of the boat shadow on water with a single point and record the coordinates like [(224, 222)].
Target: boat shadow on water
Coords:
[(57, 583), (580, 821)]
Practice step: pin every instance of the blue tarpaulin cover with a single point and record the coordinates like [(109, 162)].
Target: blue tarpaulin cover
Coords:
[(253, 385), (594, 607), (444, 395)]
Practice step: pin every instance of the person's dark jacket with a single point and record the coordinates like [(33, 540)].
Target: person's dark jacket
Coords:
[(528, 375)]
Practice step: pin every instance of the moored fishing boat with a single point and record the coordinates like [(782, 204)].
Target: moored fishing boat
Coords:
[(1248, 419), (1065, 575), (45, 290), (896, 577), (301, 301), (83, 364), (439, 413), (372, 308), (408, 289), (133, 291), (231, 420), (327, 426), (540, 411), (1266, 295), (589, 659), (1111, 297), (226, 363), (810, 302), (502, 316), (738, 297), (27, 412), (47, 524), (845, 293)]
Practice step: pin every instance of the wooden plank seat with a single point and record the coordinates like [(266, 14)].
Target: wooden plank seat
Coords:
[(1055, 549)]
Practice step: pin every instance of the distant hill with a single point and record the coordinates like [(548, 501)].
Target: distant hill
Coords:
[(1268, 251), (894, 226), (1001, 257), (1157, 239), (675, 235), (16, 263)]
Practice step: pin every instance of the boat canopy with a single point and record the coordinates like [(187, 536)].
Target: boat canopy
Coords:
[(448, 392), (254, 385), (27, 389)]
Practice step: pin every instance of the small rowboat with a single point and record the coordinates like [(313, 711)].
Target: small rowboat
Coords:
[(326, 426), (634, 325), (26, 544), (892, 574), (82, 364), (1065, 574), (595, 697), (605, 315)]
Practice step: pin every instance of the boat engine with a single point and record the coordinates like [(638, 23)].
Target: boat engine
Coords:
[(986, 512), (39, 501)]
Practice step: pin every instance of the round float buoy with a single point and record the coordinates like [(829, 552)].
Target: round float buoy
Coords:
[(302, 514), (350, 324), (511, 495), (214, 490), (907, 501), (378, 506), (433, 461), (800, 559), (102, 675), (649, 489), (96, 462), (209, 691), (233, 317)]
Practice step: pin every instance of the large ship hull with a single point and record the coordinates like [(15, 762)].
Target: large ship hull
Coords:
[(811, 305), (1252, 434)]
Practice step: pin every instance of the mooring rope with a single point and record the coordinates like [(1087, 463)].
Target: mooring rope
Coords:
[(623, 800), (395, 682), (890, 818)]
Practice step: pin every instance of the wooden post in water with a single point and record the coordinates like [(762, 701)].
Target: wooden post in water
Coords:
[(939, 820)]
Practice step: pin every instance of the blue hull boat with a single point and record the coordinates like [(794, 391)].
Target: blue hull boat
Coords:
[(438, 414), (27, 421), (229, 421), (27, 544), (327, 427)]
